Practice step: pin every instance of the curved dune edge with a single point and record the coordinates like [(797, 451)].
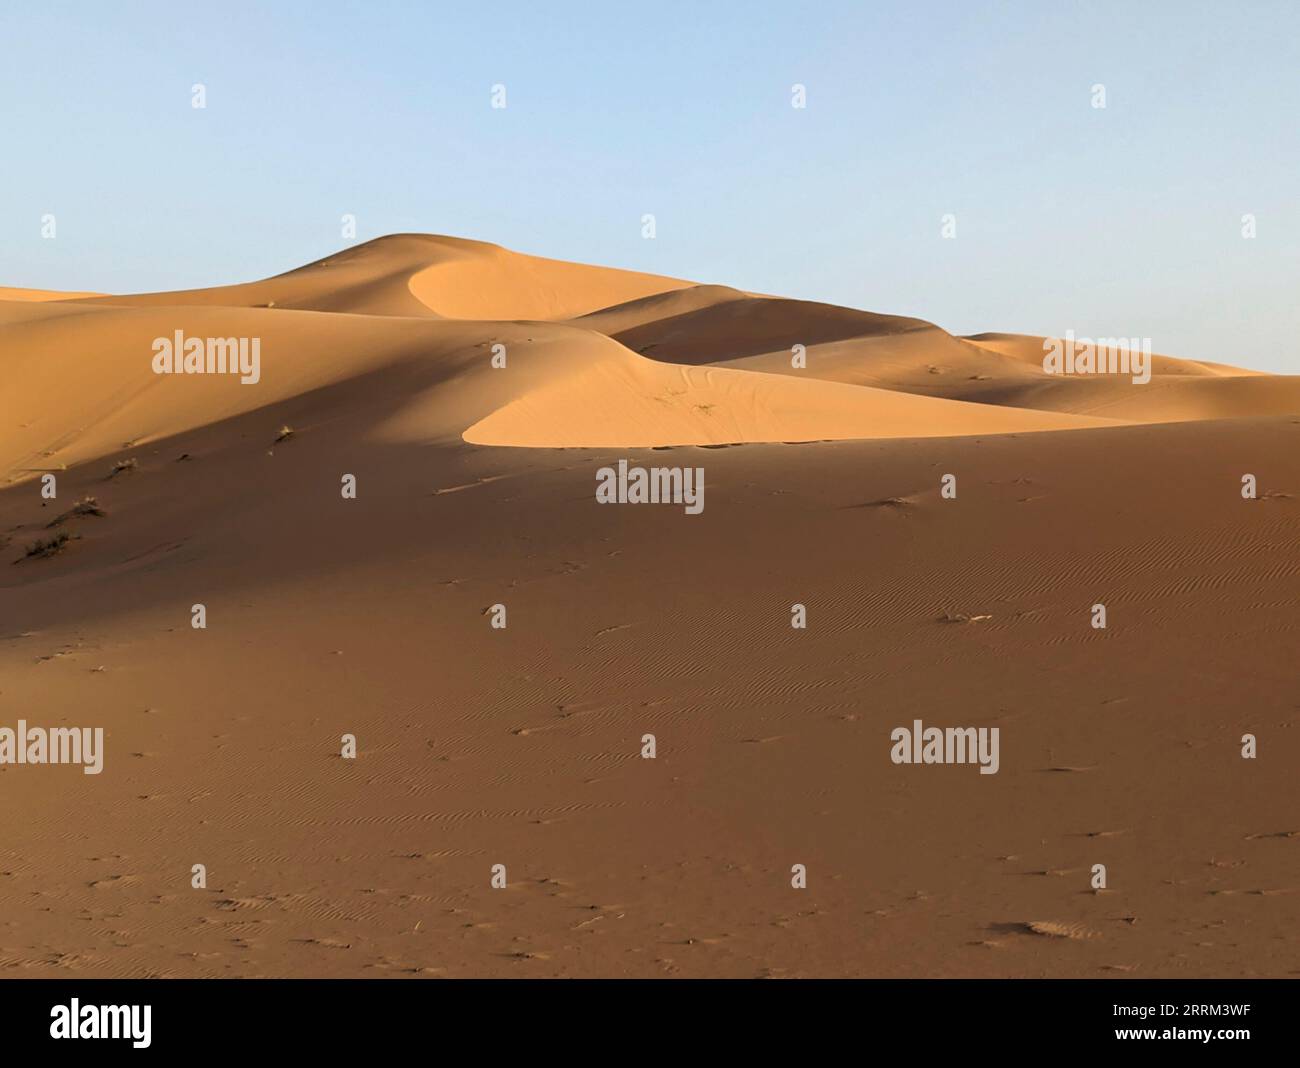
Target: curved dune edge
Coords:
[(637, 403), (489, 282)]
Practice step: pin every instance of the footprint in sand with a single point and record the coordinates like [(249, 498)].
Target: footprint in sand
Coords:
[(325, 943), (1075, 932), (113, 880), (1054, 929)]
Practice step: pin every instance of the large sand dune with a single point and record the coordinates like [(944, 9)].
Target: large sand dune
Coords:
[(329, 616)]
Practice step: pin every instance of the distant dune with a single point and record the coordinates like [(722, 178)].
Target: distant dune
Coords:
[(9, 293), (473, 394)]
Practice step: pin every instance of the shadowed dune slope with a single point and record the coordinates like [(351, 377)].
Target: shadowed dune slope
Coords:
[(364, 616), (735, 326)]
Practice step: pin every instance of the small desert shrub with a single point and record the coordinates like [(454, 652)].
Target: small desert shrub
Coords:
[(123, 465), (85, 506), (48, 546), (286, 432)]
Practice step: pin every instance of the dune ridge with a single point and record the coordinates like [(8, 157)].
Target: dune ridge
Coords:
[(595, 356)]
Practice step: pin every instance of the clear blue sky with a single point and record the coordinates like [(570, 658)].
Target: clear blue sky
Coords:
[(1122, 221)]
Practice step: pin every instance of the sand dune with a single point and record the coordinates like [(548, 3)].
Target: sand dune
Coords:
[(606, 368), (1028, 349), (10, 293), (725, 325), (429, 381), (487, 282), (423, 275), (616, 399), (475, 487)]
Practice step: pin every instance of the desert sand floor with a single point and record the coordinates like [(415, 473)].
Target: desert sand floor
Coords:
[(522, 747)]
